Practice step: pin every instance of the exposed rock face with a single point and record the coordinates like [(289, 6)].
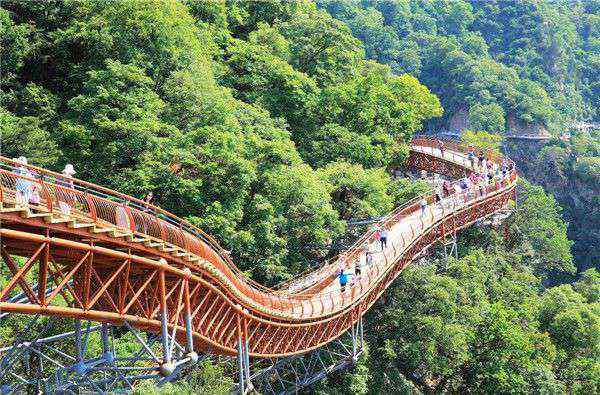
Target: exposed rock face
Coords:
[(515, 128), (459, 121), (526, 131), (524, 153), (579, 199)]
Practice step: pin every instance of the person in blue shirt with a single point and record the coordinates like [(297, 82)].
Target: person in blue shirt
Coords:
[(343, 277)]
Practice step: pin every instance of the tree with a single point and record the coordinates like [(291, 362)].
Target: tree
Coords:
[(24, 136), (161, 38), (321, 46), (15, 47), (482, 140), (574, 327), (114, 122), (358, 193), (264, 79), (206, 378), (487, 117), (539, 226), (589, 285), (387, 108), (453, 331), (303, 213), (193, 101), (405, 189), (333, 142)]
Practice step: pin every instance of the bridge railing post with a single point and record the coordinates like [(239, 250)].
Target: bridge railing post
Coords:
[(47, 196), (129, 215)]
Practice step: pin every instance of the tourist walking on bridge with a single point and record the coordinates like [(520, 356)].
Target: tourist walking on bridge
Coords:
[(376, 234), (148, 200), (446, 187), (65, 198), (383, 234), (360, 262), (343, 277), (481, 160), (471, 155), (34, 196), (22, 184), (342, 263), (441, 147), (423, 204)]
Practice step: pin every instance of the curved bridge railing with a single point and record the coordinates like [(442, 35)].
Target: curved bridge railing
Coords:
[(97, 252)]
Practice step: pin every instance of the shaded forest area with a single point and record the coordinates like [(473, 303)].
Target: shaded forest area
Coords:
[(506, 64), (273, 124)]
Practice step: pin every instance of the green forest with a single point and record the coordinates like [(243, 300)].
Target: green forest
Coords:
[(506, 63), (274, 125)]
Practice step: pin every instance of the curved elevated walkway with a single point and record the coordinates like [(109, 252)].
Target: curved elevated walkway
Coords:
[(103, 256)]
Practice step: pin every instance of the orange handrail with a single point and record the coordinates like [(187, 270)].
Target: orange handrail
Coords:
[(297, 303)]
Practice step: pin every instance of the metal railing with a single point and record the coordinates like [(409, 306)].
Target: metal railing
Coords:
[(83, 201), (453, 152)]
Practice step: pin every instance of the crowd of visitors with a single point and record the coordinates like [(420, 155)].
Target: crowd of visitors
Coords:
[(28, 186), (485, 172)]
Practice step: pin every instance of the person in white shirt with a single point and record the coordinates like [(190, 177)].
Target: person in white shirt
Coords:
[(360, 263)]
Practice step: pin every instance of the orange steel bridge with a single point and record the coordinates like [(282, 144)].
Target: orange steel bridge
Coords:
[(90, 253)]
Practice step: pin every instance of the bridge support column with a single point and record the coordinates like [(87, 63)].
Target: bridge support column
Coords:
[(78, 340), (241, 370), (189, 335), (167, 368), (362, 333), (357, 333), (450, 247), (243, 356), (106, 350), (79, 364), (354, 342)]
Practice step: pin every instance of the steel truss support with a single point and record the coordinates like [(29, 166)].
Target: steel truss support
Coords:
[(244, 384), (45, 358), (292, 374)]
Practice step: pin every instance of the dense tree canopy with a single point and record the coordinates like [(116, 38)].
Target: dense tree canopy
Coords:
[(273, 125), (216, 108), (570, 171), (533, 61)]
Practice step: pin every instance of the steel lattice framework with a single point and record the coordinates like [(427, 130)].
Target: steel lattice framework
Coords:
[(90, 253)]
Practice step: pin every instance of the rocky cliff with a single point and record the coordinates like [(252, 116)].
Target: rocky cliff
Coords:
[(551, 165)]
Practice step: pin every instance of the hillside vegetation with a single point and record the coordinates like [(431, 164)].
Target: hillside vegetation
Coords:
[(273, 125), (261, 122), (496, 65)]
